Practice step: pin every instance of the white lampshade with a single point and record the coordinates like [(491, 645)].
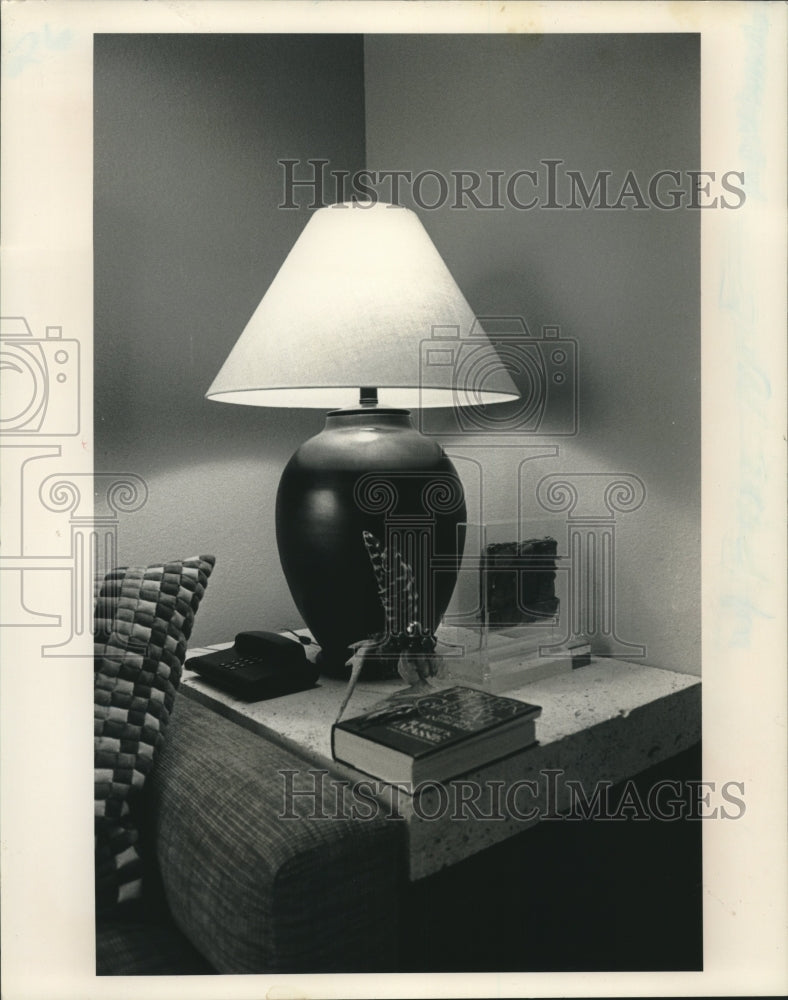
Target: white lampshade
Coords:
[(362, 299)]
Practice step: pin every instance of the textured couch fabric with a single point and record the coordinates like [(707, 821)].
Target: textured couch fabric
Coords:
[(136, 943), (254, 892)]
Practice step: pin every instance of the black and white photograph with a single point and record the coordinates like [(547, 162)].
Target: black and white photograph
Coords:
[(393, 415)]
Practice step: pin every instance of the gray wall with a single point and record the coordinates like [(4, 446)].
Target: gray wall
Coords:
[(623, 284), (187, 237), (188, 130)]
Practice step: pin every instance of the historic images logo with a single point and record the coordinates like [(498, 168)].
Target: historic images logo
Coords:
[(548, 795), (549, 185), (40, 381), (41, 404), (544, 368)]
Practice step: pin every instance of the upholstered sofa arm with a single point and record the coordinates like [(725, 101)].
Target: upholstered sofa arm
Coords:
[(256, 892)]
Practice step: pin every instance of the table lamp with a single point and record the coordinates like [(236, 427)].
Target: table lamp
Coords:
[(365, 316)]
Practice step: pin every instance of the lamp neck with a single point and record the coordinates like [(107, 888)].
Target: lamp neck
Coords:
[(361, 416), (368, 403)]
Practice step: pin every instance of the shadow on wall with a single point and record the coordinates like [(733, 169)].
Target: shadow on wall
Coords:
[(188, 134)]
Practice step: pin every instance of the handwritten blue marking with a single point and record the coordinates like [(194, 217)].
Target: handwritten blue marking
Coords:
[(34, 46)]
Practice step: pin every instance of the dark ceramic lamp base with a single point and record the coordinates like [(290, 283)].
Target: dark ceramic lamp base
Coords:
[(369, 470)]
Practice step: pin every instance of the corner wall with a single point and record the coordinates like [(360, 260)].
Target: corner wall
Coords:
[(187, 237), (623, 284)]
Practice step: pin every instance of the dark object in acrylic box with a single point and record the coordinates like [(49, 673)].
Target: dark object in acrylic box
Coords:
[(519, 581)]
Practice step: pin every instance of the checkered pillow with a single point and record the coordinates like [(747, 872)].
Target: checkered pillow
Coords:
[(143, 618)]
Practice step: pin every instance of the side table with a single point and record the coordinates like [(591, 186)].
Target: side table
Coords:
[(600, 725)]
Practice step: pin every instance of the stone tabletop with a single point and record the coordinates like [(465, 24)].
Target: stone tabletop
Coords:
[(604, 722)]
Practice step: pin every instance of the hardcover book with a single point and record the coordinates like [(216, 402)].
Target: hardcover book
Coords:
[(434, 736)]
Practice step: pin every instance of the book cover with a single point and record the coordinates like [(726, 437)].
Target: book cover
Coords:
[(406, 736)]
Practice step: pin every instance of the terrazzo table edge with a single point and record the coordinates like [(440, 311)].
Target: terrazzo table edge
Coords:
[(602, 723)]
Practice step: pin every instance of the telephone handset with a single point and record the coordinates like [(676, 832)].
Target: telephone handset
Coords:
[(259, 665)]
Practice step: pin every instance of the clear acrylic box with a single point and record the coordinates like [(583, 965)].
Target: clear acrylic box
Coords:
[(504, 627)]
